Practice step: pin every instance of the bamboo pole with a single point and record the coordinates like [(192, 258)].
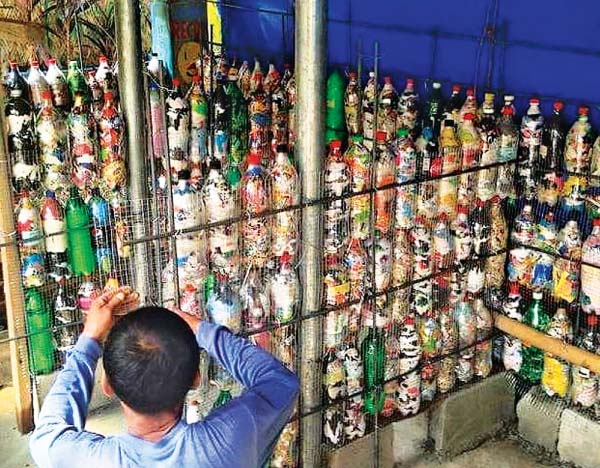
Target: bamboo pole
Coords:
[(15, 305), (558, 348)]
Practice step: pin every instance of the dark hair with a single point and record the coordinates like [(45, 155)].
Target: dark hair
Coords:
[(151, 358)]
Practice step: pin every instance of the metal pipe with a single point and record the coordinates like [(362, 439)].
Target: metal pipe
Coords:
[(311, 50), (129, 49)]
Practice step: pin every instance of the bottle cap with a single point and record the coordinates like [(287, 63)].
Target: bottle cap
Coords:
[(507, 110), (409, 320), (287, 66), (13, 65), (513, 289), (282, 148), (596, 221), (358, 138), (496, 199), (387, 79), (463, 209), (443, 217), (410, 82), (335, 144), (34, 63), (254, 159), (176, 82), (469, 116), (371, 74), (47, 94), (381, 137), (196, 79), (537, 295), (470, 92), (436, 85), (352, 75), (102, 59), (480, 203), (52, 61), (456, 88), (534, 101), (214, 164), (183, 174), (489, 96), (449, 123), (401, 132), (583, 110), (509, 98), (50, 194), (558, 106), (285, 257), (592, 320), (109, 96)]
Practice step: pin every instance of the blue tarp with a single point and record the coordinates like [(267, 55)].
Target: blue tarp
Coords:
[(544, 47)]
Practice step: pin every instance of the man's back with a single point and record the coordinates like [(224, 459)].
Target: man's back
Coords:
[(241, 433)]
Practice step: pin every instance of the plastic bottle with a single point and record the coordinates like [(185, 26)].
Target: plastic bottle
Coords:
[(256, 198), (29, 228), (512, 356), (356, 261), (15, 84), (66, 317), (285, 192), (86, 294), (584, 388), (77, 83), (53, 222), (479, 222), (101, 232), (358, 160), (256, 307), (578, 145), (199, 129), (590, 271), (335, 121), (81, 254), (238, 123), (369, 95), (337, 183), (509, 136), (82, 138), (352, 106), (373, 355), (58, 84), (37, 84), (336, 287), (470, 142), (467, 337), (96, 94), (224, 308), (483, 349), (470, 106), (39, 323), (259, 110), (111, 131), (553, 140), (334, 389), (529, 148), (408, 108), (220, 121), (285, 291), (354, 420), (461, 235), (387, 112), (384, 176), (453, 106), (434, 108), (566, 271), (290, 91), (178, 129), (448, 343), (557, 373), (402, 265), (533, 358), (420, 238), (443, 247), (429, 334)]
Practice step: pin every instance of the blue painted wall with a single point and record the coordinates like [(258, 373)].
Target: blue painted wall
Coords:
[(545, 47)]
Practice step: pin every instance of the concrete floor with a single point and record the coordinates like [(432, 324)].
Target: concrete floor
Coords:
[(15, 454)]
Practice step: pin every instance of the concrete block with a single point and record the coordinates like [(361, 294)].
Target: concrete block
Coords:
[(98, 400), (468, 417), (410, 436), (579, 440), (361, 452), (539, 418)]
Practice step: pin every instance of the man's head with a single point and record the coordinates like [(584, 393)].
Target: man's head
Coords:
[(151, 360)]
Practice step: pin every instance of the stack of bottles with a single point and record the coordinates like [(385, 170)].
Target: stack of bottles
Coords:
[(68, 167), (225, 149), (554, 260), (414, 233)]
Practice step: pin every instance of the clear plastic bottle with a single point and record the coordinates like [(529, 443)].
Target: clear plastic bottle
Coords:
[(37, 84)]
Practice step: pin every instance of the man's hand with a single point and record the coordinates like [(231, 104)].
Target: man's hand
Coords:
[(99, 318)]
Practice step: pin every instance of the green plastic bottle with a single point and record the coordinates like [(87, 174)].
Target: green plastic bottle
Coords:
[(223, 397), (41, 344), (533, 358), (76, 82), (335, 121), (81, 254), (373, 352)]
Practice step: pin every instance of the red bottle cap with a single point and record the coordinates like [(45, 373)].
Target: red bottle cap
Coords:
[(463, 209), (496, 199), (507, 110), (470, 92), (513, 289), (254, 159), (381, 137), (34, 63), (335, 144), (352, 75), (592, 320), (287, 66), (534, 101), (558, 106), (196, 79), (102, 59), (480, 203), (409, 321), (13, 64), (469, 116), (443, 217), (176, 82), (387, 79), (47, 94), (410, 82), (285, 257), (596, 221), (52, 61), (583, 110), (109, 96)]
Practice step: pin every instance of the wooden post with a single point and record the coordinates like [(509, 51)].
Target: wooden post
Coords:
[(15, 306), (572, 354)]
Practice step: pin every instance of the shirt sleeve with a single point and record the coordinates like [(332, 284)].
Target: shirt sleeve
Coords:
[(61, 422), (261, 412)]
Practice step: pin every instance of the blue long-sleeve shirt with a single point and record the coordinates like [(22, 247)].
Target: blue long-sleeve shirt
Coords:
[(240, 434)]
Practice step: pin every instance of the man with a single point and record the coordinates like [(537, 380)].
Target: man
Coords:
[(151, 360)]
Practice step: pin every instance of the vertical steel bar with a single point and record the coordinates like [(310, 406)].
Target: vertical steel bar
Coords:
[(129, 49), (311, 51)]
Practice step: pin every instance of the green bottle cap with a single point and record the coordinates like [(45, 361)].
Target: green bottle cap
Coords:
[(234, 176)]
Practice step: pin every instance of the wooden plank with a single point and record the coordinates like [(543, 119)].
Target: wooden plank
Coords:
[(15, 306)]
